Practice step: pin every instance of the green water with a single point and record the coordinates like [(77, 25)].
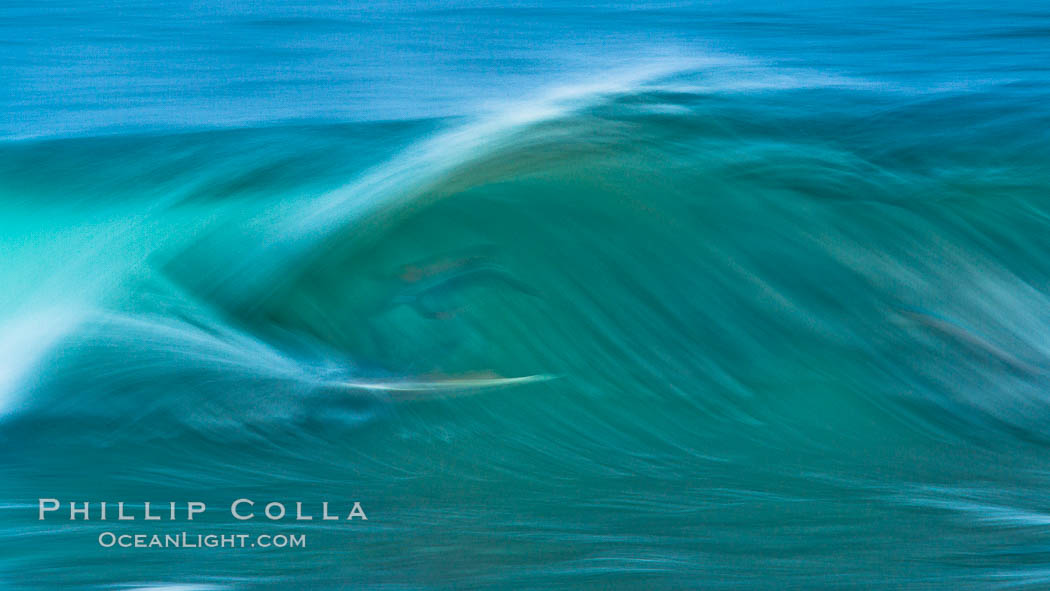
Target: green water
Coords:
[(784, 332)]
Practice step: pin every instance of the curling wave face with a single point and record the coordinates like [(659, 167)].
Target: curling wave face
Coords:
[(708, 329)]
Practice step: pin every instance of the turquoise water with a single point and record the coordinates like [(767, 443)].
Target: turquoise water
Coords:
[(654, 296)]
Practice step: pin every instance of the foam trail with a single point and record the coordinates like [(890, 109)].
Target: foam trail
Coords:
[(23, 341)]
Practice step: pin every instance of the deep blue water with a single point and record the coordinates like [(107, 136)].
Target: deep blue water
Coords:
[(615, 296), (72, 68)]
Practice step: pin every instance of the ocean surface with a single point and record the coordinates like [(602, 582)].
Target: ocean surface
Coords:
[(673, 295)]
